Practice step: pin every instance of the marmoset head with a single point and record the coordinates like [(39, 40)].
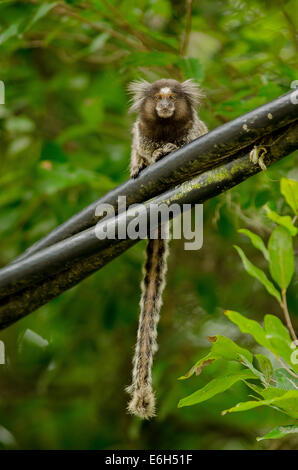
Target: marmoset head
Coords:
[(165, 99)]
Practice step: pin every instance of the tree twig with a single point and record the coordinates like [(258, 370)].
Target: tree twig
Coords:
[(291, 24), (122, 22), (185, 40), (285, 310), (287, 369)]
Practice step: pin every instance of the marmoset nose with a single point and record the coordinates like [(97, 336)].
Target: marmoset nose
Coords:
[(165, 103)]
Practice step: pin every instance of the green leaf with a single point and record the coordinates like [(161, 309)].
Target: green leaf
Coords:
[(225, 348), (274, 327), (257, 241), (279, 338), (281, 257), (199, 366), (19, 124), (10, 32), (222, 348), (97, 44), (258, 274), (288, 402), (19, 144), (279, 432), (289, 189), (284, 221), (257, 373), (265, 366), (249, 326), (272, 392), (192, 68), (274, 336), (254, 387), (40, 13), (215, 386), (285, 380)]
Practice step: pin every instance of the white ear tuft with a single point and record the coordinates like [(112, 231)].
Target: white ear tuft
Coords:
[(138, 90), (193, 92)]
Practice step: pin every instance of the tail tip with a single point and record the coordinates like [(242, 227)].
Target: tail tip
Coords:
[(142, 403)]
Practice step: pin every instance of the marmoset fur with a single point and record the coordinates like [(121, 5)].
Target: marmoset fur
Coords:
[(167, 121)]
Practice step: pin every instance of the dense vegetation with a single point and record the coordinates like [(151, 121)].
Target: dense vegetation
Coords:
[(65, 140)]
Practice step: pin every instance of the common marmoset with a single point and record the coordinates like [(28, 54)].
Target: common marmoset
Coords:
[(167, 121)]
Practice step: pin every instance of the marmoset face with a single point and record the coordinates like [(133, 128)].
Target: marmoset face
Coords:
[(165, 102), (166, 99)]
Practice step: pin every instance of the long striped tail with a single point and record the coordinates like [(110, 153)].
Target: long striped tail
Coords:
[(142, 401)]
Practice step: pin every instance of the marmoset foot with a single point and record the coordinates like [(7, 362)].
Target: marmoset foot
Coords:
[(257, 156), (163, 151), (134, 172)]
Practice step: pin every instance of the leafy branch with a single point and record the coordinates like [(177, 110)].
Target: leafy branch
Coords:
[(279, 254), (278, 387)]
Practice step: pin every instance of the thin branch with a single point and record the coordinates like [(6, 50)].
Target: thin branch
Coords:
[(287, 369), (135, 44), (63, 9), (285, 310), (185, 41), (122, 22), (291, 24)]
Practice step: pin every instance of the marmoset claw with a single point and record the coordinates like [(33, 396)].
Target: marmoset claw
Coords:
[(257, 155)]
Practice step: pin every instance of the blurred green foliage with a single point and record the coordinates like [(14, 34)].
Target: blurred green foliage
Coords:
[(65, 141)]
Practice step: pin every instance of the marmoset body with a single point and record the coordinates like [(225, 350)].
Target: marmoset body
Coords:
[(167, 120)]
